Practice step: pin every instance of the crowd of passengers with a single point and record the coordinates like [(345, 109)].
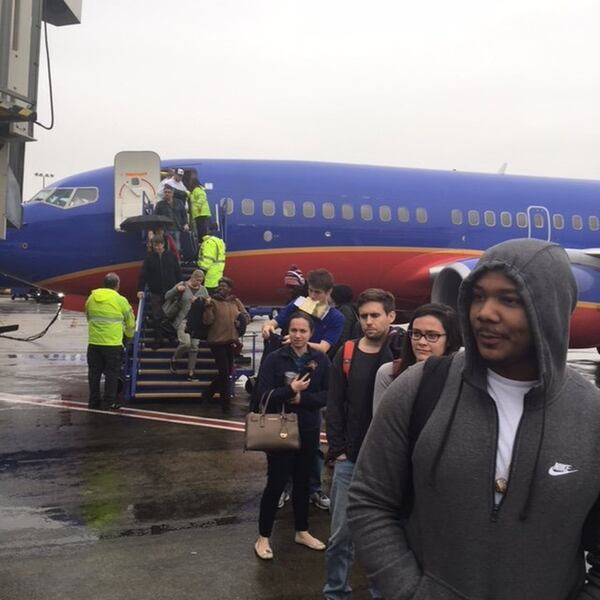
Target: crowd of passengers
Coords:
[(312, 335)]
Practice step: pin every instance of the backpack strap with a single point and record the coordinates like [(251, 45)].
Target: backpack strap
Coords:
[(347, 357), (435, 373)]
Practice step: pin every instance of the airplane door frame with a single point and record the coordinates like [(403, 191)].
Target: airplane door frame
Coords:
[(221, 216), (540, 233)]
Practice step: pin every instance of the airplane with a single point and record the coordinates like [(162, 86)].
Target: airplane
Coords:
[(415, 232)]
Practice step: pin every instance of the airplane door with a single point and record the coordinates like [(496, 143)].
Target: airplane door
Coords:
[(137, 175), (223, 210), (538, 223)]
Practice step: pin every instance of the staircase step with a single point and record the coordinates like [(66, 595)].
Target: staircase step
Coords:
[(180, 372), (171, 383), (167, 395), (179, 361)]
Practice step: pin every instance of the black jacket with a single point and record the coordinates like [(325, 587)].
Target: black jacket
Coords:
[(272, 377), (175, 211), (160, 271), (350, 404)]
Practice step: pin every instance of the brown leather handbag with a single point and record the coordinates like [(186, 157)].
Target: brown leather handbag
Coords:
[(271, 432)]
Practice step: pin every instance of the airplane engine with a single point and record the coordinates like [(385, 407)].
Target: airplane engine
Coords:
[(585, 322)]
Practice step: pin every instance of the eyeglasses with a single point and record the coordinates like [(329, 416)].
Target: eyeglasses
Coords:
[(430, 336)]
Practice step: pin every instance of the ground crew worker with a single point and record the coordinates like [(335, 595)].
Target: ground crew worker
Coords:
[(211, 258), (109, 315), (199, 208)]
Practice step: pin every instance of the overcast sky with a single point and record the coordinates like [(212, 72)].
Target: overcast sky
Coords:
[(462, 84)]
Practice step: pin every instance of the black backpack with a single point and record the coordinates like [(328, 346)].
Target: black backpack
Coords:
[(435, 373)]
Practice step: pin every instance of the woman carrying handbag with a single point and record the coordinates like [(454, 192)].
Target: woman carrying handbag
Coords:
[(295, 376)]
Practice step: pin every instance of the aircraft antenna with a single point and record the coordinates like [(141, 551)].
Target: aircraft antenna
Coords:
[(502, 169)]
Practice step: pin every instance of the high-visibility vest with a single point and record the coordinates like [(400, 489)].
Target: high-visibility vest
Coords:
[(212, 259), (109, 315)]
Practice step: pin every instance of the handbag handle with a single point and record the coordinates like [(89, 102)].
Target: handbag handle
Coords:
[(265, 403)]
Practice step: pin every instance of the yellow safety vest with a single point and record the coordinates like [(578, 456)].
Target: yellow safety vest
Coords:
[(212, 259), (108, 314)]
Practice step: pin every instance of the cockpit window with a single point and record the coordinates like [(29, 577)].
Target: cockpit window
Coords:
[(67, 197)]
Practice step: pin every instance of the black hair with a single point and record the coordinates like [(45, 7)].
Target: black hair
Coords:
[(447, 316), (342, 294)]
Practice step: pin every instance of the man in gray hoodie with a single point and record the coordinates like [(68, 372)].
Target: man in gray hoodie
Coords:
[(506, 471)]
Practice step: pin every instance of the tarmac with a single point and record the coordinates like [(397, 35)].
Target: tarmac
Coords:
[(157, 501)]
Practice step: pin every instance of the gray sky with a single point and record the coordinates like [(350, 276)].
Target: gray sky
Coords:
[(462, 84)]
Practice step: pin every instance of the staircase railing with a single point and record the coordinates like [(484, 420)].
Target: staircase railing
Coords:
[(135, 358)]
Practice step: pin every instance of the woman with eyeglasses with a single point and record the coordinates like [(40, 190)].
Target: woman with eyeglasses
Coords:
[(432, 331)]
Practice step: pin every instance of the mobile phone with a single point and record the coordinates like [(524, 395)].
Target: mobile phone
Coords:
[(306, 370)]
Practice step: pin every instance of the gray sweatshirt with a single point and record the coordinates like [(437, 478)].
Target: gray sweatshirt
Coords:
[(458, 543)]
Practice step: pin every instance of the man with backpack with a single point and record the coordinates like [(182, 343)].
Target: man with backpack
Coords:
[(504, 475), (349, 412)]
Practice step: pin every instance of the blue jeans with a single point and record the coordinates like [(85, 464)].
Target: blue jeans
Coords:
[(340, 550)]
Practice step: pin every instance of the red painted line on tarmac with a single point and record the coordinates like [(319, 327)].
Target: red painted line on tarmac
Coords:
[(133, 413)]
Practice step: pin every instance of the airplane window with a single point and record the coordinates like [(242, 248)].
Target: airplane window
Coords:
[(522, 219), (228, 205), (42, 195), (83, 196), (366, 212), (505, 219), (559, 221), (268, 208), (59, 197), (347, 212), (385, 213), (473, 216), (403, 214), (248, 207), (328, 210), (577, 222), (308, 210), (538, 220), (489, 217), (421, 214), (594, 223), (289, 208), (457, 216)]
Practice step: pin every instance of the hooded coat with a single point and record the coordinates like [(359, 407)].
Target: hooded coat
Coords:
[(458, 543)]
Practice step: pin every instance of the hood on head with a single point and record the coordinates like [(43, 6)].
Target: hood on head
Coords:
[(547, 287)]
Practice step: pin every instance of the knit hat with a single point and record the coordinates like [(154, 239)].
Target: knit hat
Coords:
[(294, 278)]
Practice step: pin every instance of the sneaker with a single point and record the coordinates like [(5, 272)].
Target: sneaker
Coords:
[(283, 499), (320, 500)]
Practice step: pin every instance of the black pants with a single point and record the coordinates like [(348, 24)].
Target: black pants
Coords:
[(282, 465), (201, 227), (107, 360), (223, 355), (156, 302)]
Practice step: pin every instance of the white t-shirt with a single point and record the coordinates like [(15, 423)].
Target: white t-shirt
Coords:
[(508, 395), (176, 185)]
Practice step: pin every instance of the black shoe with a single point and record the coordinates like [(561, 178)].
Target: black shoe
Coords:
[(93, 406), (115, 406)]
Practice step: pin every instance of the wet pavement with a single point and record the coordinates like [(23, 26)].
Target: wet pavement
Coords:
[(101, 505)]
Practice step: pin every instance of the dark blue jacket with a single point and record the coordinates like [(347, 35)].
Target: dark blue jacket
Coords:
[(272, 377)]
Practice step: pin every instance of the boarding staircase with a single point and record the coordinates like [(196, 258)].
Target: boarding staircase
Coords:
[(149, 376)]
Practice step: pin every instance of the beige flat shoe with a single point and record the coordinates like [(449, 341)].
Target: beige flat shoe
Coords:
[(310, 542), (266, 554)]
